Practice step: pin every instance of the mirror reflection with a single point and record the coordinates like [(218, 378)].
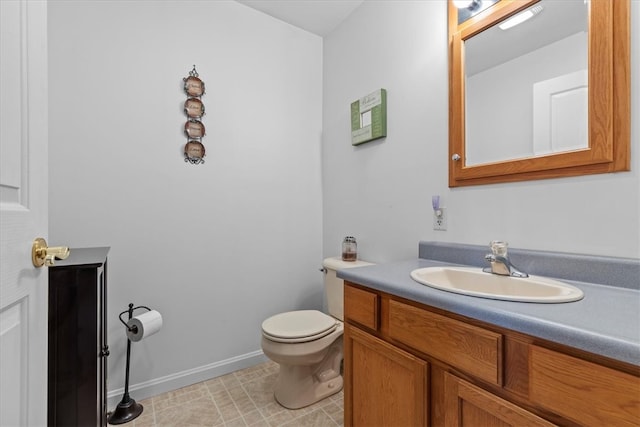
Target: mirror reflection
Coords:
[(526, 91)]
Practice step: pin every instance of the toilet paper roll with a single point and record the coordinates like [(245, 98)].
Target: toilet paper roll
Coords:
[(144, 325)]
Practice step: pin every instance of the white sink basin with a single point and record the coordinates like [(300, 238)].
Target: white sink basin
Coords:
[(473, 281)]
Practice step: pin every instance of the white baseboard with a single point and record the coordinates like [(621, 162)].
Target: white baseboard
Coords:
[(178, 380)]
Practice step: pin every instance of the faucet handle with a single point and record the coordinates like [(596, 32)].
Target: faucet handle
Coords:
[(499, 248)]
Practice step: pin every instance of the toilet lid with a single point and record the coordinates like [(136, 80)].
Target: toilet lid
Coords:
[(298, 326)]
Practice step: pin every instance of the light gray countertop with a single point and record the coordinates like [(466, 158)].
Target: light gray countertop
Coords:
[(605, 322)]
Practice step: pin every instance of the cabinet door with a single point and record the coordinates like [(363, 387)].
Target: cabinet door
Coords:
[(468, 405), (385, 386)]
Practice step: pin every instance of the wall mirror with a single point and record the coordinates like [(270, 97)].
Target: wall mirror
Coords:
[(547, 98)]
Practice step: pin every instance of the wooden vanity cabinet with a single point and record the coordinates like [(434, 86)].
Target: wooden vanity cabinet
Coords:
[(408, 364)]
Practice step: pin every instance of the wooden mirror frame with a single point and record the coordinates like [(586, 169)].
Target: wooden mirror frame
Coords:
[(609, 97)]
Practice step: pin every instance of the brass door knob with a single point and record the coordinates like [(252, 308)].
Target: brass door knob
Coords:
[(43, 255)]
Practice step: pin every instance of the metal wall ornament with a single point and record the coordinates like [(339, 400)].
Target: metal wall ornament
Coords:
[(194, 150), (193, 85), (194, 108), (194, 129)]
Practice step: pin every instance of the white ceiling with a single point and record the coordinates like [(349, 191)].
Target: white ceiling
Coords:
[(316, 16)]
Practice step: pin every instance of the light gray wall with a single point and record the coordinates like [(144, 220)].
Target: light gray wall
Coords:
[(381, 191), (218, 247)]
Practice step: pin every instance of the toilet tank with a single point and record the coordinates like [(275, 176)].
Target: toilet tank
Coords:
[(334, 286)]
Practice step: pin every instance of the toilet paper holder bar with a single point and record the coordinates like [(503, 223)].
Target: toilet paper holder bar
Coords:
[(130, 311), (128, 409)]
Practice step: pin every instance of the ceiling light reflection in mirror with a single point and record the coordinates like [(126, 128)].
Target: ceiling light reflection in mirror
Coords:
[(521, 17)]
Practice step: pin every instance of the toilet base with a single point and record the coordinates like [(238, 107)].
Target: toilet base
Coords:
[(300, 386), (308, 394)]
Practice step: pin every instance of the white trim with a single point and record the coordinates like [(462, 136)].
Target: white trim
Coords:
[(178, 380)]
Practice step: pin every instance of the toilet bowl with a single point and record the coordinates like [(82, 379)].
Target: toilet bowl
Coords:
[(309, 366), (307, 344)]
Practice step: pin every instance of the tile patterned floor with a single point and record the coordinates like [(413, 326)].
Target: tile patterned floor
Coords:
[(242, 398)]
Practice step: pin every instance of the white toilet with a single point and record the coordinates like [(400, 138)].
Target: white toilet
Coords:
[(307, 344)]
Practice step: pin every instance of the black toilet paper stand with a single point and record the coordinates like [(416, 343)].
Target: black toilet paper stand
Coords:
[(128, 409)]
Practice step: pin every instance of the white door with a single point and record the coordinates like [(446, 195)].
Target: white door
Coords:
[(23, 212)]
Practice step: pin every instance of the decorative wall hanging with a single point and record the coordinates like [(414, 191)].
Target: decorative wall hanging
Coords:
[(369, 117), (194, 151)]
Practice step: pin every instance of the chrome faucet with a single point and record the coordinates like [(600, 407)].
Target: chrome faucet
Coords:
[(499, 261)]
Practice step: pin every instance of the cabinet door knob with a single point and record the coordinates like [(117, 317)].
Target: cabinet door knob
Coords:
[(105, 351)]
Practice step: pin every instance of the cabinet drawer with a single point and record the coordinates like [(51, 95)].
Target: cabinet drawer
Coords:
[(470, 348), (361, 307), (590, 394)]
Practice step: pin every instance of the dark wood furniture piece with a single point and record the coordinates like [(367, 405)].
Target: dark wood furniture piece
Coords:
[(78, 350)]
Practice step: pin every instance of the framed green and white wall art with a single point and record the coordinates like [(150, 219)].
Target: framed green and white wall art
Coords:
[(369, 117)]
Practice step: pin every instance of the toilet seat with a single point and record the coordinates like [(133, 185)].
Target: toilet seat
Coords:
[(298, 326)]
